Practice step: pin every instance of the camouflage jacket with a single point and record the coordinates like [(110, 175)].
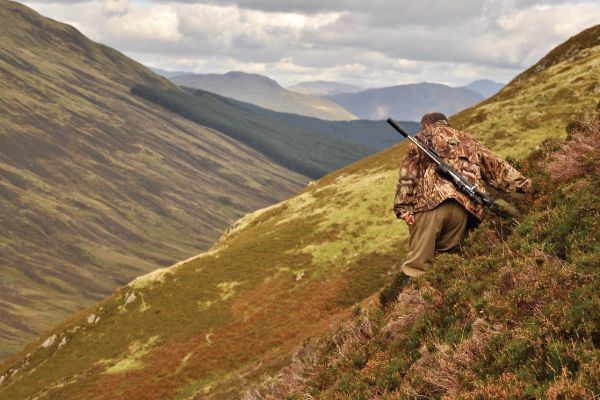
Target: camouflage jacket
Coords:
[(420, 188)]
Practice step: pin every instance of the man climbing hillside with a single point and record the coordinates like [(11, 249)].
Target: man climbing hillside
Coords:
[(437, 213)]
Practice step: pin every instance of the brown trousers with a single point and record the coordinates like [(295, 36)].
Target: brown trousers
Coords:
[(434, 231)]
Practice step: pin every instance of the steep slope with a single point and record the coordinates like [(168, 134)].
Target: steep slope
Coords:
[(264, 92), (406, 102), (538, 103), (322, 88), (515, 315), (485, 87), (202, 327), (99, 186)]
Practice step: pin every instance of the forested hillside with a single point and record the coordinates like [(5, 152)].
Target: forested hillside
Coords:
[(305, 151)]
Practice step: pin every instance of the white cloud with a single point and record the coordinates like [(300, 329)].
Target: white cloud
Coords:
[(376, 43)]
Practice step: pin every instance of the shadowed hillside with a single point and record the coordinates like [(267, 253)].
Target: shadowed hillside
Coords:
[(265, 92), (98, 186), (538, 103), (305, 151)]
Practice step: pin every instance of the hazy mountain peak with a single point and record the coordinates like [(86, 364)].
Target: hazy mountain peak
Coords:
[(264, 92), (407, 102)]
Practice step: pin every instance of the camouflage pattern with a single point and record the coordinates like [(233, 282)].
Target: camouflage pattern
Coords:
[(420, 188)]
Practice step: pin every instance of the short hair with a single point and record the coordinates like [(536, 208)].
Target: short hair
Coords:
[(431, 118)]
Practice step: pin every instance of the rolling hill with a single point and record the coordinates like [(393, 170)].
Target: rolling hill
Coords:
[(406, 102), (265, 92), (539, 102), (99, 186), (322, 88), (205, 327)]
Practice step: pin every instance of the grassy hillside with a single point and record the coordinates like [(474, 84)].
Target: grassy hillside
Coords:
[(539, 102), (305, 151), (514, 314), (202, 327), (406, 102), (265, 92), (98, 186)]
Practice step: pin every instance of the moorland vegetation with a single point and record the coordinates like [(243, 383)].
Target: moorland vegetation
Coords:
[(514, 313)]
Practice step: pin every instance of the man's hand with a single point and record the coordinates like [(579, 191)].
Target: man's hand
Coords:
[(409, 218)]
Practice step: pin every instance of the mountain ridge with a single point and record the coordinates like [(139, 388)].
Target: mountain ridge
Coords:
[(320, 88), (407, 102), (264, 92)]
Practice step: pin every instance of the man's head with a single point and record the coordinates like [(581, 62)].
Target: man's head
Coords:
[(431, 118)]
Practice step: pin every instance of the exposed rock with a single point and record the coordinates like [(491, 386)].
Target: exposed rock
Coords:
[(62, 342), (129, 297), (93, 318), (49, 341)]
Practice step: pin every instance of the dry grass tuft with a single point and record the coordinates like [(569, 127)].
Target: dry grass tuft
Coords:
[(580, 155), (449, 368)]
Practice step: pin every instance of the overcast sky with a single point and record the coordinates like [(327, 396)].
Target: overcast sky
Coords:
[(373, 43)]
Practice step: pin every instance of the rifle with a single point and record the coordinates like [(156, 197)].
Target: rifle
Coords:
[(446, 171)]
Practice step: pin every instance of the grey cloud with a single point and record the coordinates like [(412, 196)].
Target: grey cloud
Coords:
[(405, 9), (394, 41)]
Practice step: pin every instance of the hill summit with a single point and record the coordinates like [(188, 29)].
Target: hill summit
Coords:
[(539, 102), (264, 92)]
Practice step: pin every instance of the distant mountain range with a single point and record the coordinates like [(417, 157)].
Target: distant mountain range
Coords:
[(407, 102), (265, 92), (323, 88)]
